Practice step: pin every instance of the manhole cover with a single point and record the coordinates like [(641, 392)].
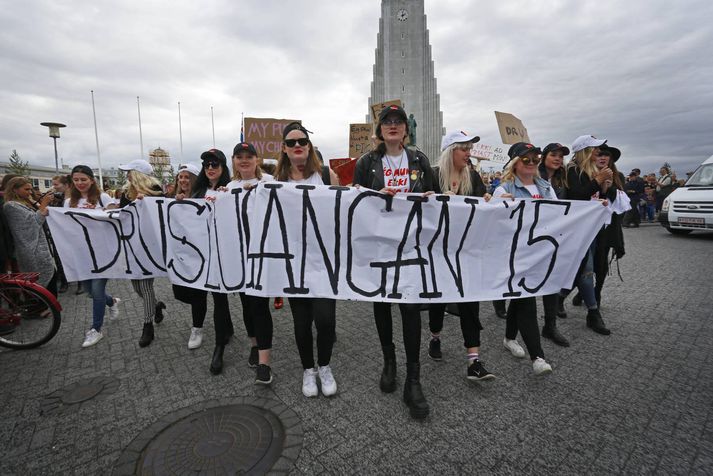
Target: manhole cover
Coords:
[(70, 398), (226, 436)]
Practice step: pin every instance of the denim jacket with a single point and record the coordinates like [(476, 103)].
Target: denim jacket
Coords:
[(518, 190)]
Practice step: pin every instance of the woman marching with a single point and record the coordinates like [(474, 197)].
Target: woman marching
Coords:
[(256, 310), (521, 180), (140, 184), (85, 193), (390, 169), (454, 176), (185, 181), (298, 163)]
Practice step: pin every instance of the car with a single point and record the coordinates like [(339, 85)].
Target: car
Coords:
[(690, 207)]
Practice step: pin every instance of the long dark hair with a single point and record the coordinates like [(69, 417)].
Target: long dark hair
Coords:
[(93, 194), (202, 184)]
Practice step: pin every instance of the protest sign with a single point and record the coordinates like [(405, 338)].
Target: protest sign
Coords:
[(344, 168), (266, 135), (283, 239), (378, 107), (360, 139), (511, 128), (489, 152)]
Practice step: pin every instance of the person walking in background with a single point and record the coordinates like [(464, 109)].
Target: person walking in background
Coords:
[(634, 188)]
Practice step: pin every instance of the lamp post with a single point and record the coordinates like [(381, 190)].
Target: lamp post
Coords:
[(54, 134)]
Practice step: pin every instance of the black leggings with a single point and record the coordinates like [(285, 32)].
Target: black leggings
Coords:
[(221, 314), (469, 321), (410, 322), (52, 285), (322, 312), (522, 316), (257, 319)]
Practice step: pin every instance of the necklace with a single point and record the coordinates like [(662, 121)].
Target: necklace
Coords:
[(392, 164)]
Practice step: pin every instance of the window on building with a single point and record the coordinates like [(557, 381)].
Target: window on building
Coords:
[(35, 182), (403, 36), (403, 54), (48, 183), (403, 70), (403, 88)]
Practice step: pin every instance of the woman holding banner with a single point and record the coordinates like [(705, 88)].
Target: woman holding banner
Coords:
[(185, 181), (85, 193), (521, 180), (298, 163), (256, 309), (392, 168), (454, 176), (140, 184)]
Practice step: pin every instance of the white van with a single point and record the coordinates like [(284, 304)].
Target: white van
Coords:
[(690, 207)]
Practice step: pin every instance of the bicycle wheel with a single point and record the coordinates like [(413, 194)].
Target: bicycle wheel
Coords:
[(29, 316)]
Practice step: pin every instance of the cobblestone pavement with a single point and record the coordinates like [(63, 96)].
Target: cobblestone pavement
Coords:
[(638, 401)]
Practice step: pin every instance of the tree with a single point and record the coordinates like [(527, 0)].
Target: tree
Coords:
[(120, 179), (164, 174), (17, 165)]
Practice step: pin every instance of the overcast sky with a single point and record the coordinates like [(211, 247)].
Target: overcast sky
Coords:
[(639, 73)]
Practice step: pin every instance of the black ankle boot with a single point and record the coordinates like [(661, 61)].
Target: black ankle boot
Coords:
[(388, 375), (146, 335), (413, 394), (577, 300), (561, 311), (216, 363), (596, 323), (551, 332), (158, 316), (500, 310)]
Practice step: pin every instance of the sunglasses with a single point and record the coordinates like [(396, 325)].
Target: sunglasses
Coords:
[(292, 142), (530, 160), (393, 122), (211, 165)]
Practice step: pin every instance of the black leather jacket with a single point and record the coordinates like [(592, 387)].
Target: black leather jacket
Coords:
[(369, 171)]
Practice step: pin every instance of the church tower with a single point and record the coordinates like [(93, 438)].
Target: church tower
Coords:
[(403, 70)]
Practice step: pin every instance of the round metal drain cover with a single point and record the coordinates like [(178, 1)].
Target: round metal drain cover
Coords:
[(227, 436), (71, 398)]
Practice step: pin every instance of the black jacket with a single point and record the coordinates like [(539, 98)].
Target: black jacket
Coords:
[(557, 182), (477, 187), (581, 187), (369, 171)]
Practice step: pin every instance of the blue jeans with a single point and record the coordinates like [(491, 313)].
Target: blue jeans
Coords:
[(585, 279), (650, 211), (95, 288)]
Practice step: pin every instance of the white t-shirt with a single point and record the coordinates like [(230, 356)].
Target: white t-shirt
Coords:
[(315, 179), (396, 172), (530, 188), (104, 201), (252, 181)]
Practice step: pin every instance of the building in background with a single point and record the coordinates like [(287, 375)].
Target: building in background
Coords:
[(160, 160), (41, 177)]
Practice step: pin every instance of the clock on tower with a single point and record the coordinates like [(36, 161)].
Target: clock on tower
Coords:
[(402, 15)]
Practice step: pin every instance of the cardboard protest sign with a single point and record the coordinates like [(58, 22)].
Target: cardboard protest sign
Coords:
[(488, 152), (376, 108), (344, 168), (282, 239), (360, 139), (511, 128), (266, 135)]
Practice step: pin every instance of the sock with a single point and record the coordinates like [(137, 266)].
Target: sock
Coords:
[(435, 336), (473, 357)]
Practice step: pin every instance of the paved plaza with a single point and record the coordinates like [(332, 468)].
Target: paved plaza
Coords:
[(639, 401)]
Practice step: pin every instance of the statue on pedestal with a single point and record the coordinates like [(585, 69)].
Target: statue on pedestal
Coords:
[(412, 130)]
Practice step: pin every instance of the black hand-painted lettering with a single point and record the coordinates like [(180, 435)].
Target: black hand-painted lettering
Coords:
[(95, 265), (381, 290), (519, 210), (183, 239)]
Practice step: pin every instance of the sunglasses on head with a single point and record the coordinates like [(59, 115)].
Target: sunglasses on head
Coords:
[(211, 165), (530, 160), (292, 142)]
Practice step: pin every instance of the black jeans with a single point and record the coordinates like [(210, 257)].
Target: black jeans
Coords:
[(469, 321), (522, 316), (410, 322), (257, 319), (221, 314), (322, 312)]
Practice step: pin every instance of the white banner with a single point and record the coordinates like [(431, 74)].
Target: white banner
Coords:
[(337, 242)]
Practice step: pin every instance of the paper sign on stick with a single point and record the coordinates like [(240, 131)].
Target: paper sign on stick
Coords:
[(266, 135), (489, 152), (344, 168), (360, 139), (512, 130), (377, 108)]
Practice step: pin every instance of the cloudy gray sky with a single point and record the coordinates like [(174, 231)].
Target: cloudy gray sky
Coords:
[(639, 73)]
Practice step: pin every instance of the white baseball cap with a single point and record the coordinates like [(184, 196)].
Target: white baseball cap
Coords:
[(190, 168), (139, 165), (582, 142), (457, 137)]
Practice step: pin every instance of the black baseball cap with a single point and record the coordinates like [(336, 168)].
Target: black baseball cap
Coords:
[(393, 109), (554, 146), (83, 169), (214, 154), (613, 152), (244, 147), (521, 148)]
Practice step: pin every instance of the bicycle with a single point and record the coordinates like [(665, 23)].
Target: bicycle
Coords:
[(28, 312)]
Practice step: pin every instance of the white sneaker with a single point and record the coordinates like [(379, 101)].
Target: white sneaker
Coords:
[(540, 366), (114, 310), (309, 383), (326, 379), (196, 338), (514, 348), (92, 337)]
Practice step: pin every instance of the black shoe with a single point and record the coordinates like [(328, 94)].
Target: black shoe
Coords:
[(6, 329), (413, 394), (596, 323), (158, 316), (263, 374), (500, 310), (387, 384), (216, 363), (63, 288), (561, 311), (146, 335), (434, 349), (476, 371), (553, 334), (253, 359), (577, 300), (79, 290)]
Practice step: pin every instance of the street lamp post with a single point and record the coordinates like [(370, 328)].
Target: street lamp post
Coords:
[(54, 134)]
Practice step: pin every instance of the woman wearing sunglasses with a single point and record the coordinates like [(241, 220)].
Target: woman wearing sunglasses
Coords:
[(455, 176), (390, 169), (298, 163), (256, 309), (521, 180)]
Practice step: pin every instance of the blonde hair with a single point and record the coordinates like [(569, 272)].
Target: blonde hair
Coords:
[(584, 160), (509, 172), (141, 184), (11, 189), (236, 173), (445, 166)]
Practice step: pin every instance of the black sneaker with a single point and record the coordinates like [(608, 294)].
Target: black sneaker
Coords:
[(253, 358), (476, 371), (263, 374), (434, 349)]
